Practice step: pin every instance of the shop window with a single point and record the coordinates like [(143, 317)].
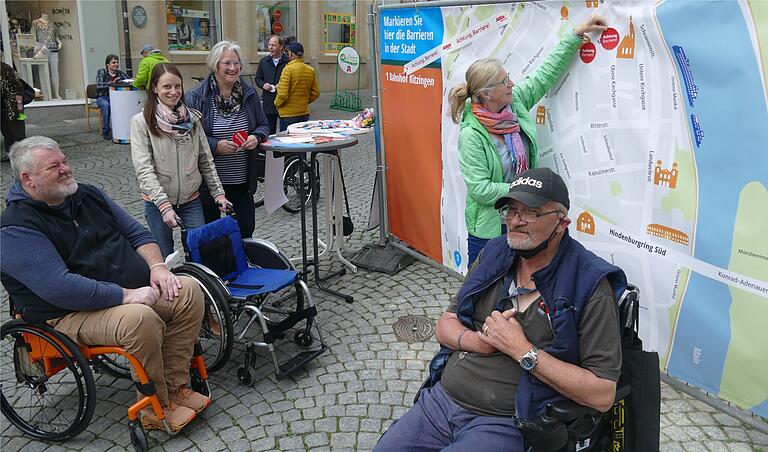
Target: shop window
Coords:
[(340, 27), (277, 18), (189, 25)]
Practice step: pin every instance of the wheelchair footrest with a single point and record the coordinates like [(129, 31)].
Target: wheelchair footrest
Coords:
[(297, 362)]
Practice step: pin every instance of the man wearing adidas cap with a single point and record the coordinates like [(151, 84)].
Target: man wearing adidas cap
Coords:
[(535, 321)]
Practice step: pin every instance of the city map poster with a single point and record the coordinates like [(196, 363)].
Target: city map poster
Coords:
[(658, 129)]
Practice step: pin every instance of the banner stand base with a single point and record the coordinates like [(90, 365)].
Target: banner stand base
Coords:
[(382, 259)]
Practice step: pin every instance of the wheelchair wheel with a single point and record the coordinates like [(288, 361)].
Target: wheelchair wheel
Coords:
[(303, 338), (292, 182), (48, 407), (258, 196), (112, 364), (216, 334), (138, 436)]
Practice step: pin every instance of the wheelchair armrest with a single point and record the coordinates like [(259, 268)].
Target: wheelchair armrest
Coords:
[(568, 410), (622, 392), (264, 254)]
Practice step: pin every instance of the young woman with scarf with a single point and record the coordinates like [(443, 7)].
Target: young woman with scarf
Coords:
[(172, 159), (231, 107), (497, 138)]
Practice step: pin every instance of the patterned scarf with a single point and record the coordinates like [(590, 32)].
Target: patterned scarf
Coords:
[(230, 106), (504, 123), (177, 121)]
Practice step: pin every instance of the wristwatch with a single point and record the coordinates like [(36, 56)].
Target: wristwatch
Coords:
[(530, 359)]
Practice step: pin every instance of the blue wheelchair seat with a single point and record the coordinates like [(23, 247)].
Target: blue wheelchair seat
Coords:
[(218, 245)]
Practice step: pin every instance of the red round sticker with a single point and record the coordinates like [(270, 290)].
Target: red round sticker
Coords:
[(277, 28), (277, 14), (240, 137), (588, 52), (609, 39)]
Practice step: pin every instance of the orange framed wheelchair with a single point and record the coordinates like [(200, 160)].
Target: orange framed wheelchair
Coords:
[(51, 392)]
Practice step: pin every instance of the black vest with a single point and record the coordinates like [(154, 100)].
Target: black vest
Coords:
[(87, 238)]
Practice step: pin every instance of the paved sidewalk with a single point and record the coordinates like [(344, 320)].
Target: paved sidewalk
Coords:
[(349, 396)]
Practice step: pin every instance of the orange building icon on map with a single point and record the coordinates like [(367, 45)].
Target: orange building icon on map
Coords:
[(541, 115), (585, 223), (627, 47), (665, 177), (665, 232)]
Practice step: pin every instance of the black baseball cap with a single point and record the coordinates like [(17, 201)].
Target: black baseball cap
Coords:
[(296, 48), (535, 188)]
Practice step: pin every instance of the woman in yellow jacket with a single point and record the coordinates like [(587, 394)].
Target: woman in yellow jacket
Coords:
[(296, 89)]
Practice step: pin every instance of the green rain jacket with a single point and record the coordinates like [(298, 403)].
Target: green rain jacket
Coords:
[(478, 158)]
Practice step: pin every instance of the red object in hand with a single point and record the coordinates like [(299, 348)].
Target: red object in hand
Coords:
[(239, 138), (588, 52)]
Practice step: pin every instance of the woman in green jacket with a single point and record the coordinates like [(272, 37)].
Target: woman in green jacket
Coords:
[(497, 138)]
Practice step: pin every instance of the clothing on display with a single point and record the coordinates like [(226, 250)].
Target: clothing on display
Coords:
[(47, 38)]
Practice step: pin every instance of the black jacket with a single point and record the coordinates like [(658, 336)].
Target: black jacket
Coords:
[(88, 239), (267, 72)]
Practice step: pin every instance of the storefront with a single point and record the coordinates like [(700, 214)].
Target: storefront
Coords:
[(86, 31)]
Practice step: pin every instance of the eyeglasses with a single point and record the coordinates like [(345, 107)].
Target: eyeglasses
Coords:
[(230, 63), (529, 216), (506, 81)]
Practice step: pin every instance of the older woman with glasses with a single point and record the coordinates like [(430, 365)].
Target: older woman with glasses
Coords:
[(234, 124), (497, 138)]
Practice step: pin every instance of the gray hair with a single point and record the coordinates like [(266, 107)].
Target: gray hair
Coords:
[(215, 54), (20, 153)]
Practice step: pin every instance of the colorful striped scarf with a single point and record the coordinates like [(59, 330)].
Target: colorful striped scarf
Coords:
[(504, 123)]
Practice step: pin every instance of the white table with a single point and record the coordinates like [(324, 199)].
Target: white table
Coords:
[(43, 71)]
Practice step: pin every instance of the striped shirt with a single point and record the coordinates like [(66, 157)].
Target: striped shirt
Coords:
[(232, 168)]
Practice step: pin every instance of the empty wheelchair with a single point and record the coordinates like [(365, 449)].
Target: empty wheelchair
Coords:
[(246, 282), (48, 388)]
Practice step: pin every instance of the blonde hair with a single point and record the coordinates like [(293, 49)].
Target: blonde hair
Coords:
[(479, 78)]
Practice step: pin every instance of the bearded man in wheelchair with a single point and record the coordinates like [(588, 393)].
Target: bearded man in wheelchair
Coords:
[(72, 258), (536, 321)]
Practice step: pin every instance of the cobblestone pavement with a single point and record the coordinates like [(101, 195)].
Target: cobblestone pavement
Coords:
[(345, 399)]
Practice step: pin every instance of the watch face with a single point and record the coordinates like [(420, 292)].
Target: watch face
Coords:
[(527, 362)]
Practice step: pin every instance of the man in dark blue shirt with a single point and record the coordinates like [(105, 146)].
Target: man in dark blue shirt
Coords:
[(97, 275)]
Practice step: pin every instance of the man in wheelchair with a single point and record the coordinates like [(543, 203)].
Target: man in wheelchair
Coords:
[(73, 258), (535, 321)]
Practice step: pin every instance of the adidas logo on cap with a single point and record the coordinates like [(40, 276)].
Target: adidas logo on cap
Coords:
[(527, 181)]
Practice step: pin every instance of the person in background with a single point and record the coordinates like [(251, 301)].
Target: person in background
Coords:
[(152, 56), (11, 108), (231, 108), (297, 88), (267, 75), (105, 76), (172, 159), (497, 139)]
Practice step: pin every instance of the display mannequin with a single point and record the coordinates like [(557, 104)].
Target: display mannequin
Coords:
[(45, 35)]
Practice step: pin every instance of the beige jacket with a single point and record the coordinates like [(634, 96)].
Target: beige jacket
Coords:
[(170, 172)]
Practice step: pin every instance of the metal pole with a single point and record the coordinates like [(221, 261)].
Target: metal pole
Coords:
[(377, 126), (126, 39)]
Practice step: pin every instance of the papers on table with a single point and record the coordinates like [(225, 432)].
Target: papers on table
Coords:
[(294, 139)]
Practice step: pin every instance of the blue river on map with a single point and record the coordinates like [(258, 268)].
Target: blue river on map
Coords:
[(731, 108)]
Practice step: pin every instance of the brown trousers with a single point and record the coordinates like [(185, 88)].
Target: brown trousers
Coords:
[(162, 337)]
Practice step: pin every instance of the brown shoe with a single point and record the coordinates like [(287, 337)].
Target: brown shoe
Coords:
[(176, 416), (190, 399)]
